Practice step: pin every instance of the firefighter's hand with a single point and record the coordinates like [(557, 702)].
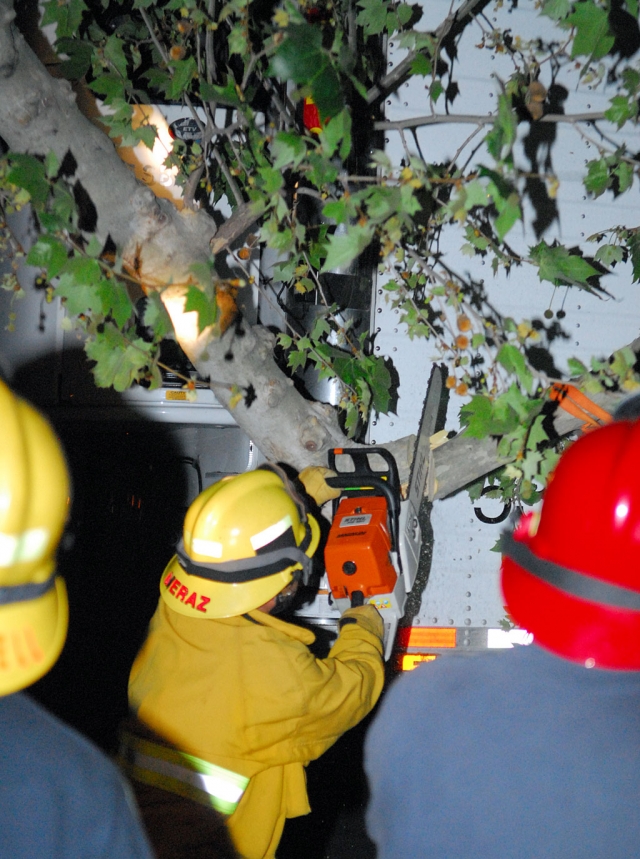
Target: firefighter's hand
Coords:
[(366, 616), (313, 479)]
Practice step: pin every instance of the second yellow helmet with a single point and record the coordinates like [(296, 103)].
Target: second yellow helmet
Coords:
[(245, 538)]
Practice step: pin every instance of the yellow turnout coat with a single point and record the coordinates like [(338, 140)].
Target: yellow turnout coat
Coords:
[(247, 694)]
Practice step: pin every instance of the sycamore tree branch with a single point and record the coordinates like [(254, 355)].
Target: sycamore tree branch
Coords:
[(472, 119), (456, 19), (463, 459)]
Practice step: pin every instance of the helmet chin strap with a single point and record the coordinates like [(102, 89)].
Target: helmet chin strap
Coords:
[(285, 599), (283, 603)]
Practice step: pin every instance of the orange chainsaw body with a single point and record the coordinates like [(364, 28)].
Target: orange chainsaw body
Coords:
[(357, 554)]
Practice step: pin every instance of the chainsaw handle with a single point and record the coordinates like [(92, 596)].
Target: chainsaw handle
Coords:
[(360, 458), (358, 485), (386, 483)]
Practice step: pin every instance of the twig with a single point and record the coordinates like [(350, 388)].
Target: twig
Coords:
[(388, 81), (473, 119)]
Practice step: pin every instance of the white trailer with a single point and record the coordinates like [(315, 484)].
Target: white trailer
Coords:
[(461, 606)]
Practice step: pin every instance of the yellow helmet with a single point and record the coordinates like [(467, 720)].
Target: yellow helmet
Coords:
[(34, 496), (244, 539)]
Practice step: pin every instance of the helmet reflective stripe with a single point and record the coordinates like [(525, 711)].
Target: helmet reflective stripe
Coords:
[(28, 546), (182, 773), (208, 548), (258, 567), (577, 584), (270, 534)]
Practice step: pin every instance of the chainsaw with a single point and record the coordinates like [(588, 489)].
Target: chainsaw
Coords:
[(373, 548)]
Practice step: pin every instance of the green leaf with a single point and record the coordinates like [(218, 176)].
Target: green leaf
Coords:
[(66, 16), (94, 247), (633, 243), (301, 58), (576, 367), (556, 9), (344, 248), (109, 85), (78, 297), (80, 54), (327, 92), (514, 362), (146, 134), (404, 11), (299, 55), (475, 195), (502, 136), (537, 434), (517, 400), (597, 179), (373, 17), (205, 307), (435, 90), (51, 164), (336, 136), (593, 38), (421, 65), (48, 253), (184, 70), (621, 110), (382, 201), (624, 173), (340, 210), (622, 361), (28, 172), (271, 180), (379, 380), (115, 55), (227, 94), (202, 273), (322, 171), (510, 214), (476, 416), (284, 340), (78, 285), (156, 316), (409, 203), (609, 255), (115, 300), (119, 362), (288, 149), (558, 266), (297, 359)]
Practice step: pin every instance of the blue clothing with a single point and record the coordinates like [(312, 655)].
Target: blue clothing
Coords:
[(60, 798), (516, 755)]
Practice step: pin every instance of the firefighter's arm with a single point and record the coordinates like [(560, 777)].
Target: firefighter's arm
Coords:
[(343, 688), (367, 617)]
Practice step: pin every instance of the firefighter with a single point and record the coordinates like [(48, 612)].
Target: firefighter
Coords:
[(60, 798), (534, 751), (230, 702)]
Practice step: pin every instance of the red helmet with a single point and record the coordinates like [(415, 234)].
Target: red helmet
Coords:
[(574, 580)]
